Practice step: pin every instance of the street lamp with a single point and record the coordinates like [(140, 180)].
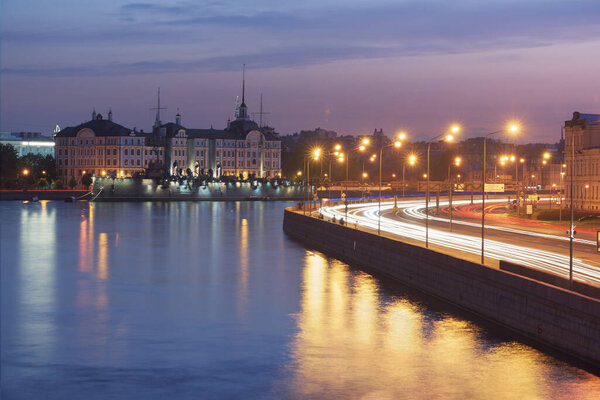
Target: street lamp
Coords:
[(448, 137), (512, 129), (412, 160), (397, 144), (314, 155), (336, 153), (457, 161)]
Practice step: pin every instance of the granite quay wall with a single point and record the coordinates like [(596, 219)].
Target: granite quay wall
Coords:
[(128, 189), (554, 280), (41, 194), (552, 316)]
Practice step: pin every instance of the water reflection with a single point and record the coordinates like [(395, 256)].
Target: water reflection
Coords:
[(354, 341), (132, 300), (35, 282)]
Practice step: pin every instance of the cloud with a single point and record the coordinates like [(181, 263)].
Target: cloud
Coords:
[(286, 35)]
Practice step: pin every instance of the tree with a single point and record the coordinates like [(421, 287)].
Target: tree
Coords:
[(86, 180), (43, 183), (8, 165), (72, 182), (58, 184)]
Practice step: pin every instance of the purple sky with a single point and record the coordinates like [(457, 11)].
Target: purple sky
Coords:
[(345, 65)]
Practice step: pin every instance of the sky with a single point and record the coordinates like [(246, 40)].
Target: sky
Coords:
[(346, 65)]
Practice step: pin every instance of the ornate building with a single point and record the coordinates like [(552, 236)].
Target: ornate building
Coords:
[(241, 148), (582, 138), (103, 147)]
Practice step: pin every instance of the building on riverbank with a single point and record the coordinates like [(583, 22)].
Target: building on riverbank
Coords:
[(582, 138), (28, 143), (103, 147)]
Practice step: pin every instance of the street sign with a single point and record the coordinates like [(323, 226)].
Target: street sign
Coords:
[(494, 187), (533, 197), (598, 241), (529, 209), (343, 195)]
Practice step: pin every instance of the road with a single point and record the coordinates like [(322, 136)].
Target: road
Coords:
[(531, 245)]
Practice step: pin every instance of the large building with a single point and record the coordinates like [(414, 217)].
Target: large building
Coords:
[(103, 147), (28, 143), (582, 138), (100, 147)]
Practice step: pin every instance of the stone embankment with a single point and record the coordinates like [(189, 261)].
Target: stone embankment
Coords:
[(550, 315)]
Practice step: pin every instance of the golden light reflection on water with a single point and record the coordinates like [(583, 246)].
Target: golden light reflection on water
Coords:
[(354, 342), (102, 256), (243, 272), (37, 289), (84, 246)]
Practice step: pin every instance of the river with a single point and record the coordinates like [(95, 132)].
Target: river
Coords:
[(211, 300)]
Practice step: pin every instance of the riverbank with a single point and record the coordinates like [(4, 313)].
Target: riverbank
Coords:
[(41, 194), (127, 189), (549, 315)]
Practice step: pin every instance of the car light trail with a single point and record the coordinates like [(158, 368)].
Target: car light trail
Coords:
[(416, 211), (365, 215)]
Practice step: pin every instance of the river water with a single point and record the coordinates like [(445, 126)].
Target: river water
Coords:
[(211, 300)]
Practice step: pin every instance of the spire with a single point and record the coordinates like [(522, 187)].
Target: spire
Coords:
[(94, 114), (244, 85), (110, 114), (158, 108), (178, 117), (243, 110)]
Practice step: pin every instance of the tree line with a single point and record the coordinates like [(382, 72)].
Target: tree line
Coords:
[(30, 171)]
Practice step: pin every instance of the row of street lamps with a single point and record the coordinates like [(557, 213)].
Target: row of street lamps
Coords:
[(412, 159)]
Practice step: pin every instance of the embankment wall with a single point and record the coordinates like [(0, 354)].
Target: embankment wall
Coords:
[(564, 320)]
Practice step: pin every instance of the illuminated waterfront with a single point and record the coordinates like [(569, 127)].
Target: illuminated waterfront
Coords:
[(189, 300)]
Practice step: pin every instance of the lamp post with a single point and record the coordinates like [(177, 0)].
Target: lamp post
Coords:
[(457, 162), (397, 144), (448, 138), (315, 154), (335, 153), (561, 190), (412, 159), (571, 233), (362, 147), (513, 128)]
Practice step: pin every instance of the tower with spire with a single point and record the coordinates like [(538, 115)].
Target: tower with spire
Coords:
[(157, 121), (243, 110)]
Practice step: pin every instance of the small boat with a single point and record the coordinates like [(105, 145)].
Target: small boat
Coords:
[(70, 199)]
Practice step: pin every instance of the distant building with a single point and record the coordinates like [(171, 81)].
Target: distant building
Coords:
[(241, 148), (582, 137), (28, 143), (103, 147)]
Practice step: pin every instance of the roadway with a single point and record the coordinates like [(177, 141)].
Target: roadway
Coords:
[(539, 246)]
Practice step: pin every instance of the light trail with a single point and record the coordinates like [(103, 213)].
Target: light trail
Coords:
[(366, 215), (416, 211)]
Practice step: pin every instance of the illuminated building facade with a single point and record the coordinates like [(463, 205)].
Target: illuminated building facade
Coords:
[(582, 138), (28, 143), (102, 147), (243, 148)]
